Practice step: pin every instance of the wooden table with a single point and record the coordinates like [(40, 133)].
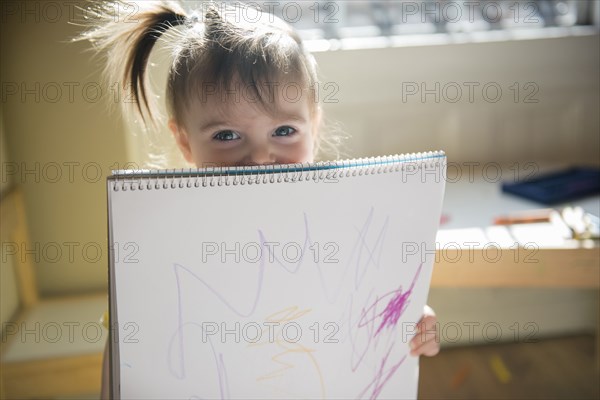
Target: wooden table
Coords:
[(467, 257)]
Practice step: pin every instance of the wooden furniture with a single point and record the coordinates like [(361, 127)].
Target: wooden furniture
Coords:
[(473, 253), (509, 267), (470, 253), (50, 347)]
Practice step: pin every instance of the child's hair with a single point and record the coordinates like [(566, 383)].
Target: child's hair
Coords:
[(218, 46)]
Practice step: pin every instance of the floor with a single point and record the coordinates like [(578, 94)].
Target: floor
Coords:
[(557, 368)]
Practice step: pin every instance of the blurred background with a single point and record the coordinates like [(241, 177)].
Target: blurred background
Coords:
[(510, 90)]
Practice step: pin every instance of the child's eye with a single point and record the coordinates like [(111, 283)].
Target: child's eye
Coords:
[(284, 131), (226, 136)]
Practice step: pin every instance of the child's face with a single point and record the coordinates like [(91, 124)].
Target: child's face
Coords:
[(236, 131)]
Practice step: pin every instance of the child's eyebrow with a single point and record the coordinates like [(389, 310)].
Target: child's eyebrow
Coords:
[(292, 117), (211, 124)]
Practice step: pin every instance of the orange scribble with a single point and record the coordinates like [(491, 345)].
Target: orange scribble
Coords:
[(286, 315)]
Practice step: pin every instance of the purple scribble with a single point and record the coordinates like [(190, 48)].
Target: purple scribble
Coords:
[(378, 244), (181, 373), (394, 308), (333, 295), (368, 316), (369, 334), (218, 357), (396, 303), (307, 244), (237, 311), (382, 376), (180, 324)]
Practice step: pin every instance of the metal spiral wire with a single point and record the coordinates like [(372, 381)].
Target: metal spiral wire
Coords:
[(265, 174)]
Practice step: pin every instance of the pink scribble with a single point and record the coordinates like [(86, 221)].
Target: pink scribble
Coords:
[(382, 376), (397, 302), (394, 309)]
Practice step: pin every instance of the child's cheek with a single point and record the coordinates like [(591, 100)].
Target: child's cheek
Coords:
[(301, 153)]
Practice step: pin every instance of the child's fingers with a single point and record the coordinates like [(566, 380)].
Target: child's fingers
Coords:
[(424, 336), (427, 323), (425, 341), (429, 348), (426, 328), (428, 319), (428, 311), (425, 332)]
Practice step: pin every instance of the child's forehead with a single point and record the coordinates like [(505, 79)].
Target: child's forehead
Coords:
[(277, 99)]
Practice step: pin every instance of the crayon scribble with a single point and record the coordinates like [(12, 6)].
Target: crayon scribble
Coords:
[(218, 360), (362, 233), (307, 243), (397, 305), (371, 323), (382, 376), (333, 295), (289, 349), (368, 329), (394, 308), (392, 312)]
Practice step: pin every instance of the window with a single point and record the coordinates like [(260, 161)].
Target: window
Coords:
[(346, 24)]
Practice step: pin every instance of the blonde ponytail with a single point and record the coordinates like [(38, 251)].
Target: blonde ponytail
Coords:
[(126, 32)]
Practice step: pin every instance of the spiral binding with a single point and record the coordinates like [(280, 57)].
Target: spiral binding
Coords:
[(262, 174)]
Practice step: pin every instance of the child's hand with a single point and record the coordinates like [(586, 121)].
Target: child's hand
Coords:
[(426, 341)]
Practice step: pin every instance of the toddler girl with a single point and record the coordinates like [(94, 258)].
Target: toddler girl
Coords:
[(241, 90)]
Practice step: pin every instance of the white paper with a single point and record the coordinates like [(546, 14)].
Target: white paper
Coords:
[(332, 274)]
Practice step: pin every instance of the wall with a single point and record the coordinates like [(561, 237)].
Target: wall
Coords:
[(366, 92), (63, 144), (8, 280), (562, 126)]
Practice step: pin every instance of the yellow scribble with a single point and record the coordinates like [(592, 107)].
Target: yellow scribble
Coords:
[(286, 315), (289, 314)]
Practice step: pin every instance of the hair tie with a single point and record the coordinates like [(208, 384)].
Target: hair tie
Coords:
[(170, 20), (193, 18)]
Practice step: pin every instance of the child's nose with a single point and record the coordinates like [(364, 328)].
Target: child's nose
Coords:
[(261, 156)]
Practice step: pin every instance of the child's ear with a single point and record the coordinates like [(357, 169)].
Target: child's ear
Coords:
[(182, 140)]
